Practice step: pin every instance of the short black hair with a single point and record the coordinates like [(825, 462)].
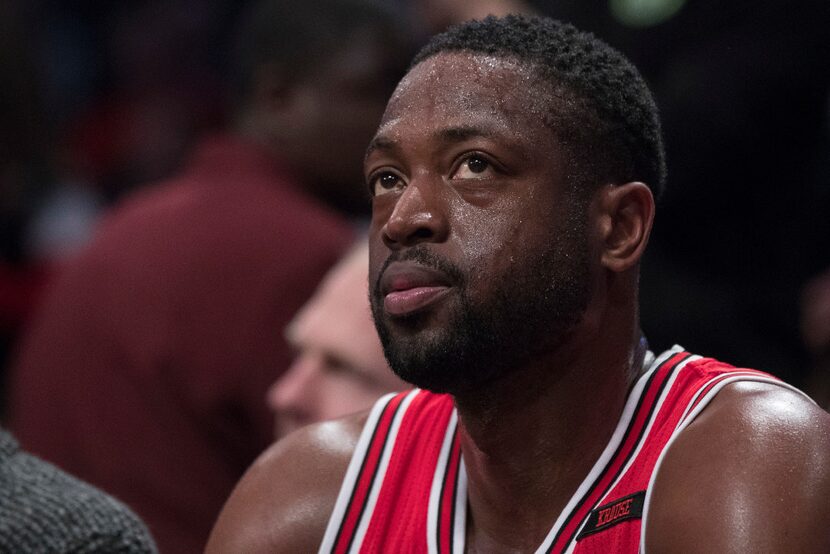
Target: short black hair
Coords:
[(600, 106), (295, 37)]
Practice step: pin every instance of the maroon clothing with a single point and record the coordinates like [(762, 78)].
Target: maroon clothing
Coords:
[(146, 370)]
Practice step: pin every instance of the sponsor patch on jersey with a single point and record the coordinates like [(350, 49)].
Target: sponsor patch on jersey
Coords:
[(608, 515)]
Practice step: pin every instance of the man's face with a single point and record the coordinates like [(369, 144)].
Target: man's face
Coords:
[(339, 366), (478, 251)]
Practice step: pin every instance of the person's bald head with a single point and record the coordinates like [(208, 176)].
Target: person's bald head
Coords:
[(339, 367)]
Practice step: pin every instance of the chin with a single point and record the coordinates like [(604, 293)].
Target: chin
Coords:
[(440, 367)]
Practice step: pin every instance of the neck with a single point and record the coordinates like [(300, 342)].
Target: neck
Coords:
[(528, 441)]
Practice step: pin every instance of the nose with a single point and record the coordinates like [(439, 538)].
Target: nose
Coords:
[(419, 215), (293, 393)]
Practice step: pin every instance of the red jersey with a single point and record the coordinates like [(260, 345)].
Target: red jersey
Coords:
[(406, 487)]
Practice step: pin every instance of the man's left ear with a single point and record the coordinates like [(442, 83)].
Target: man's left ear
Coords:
[(626, 213)]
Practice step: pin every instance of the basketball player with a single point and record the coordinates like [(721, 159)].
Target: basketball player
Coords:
[(513, 179)]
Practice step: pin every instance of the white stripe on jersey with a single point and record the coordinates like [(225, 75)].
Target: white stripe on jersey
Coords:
[(437, 482), (607, 455), (374, 491)]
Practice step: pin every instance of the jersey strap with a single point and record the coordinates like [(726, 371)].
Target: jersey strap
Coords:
[(359, 491), (638, 414), (704, 395), (448, 496), (618, 521)]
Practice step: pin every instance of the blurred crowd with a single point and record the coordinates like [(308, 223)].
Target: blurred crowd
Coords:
[(115, 118)]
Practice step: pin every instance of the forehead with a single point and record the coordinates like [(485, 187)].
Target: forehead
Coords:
[(466, 88), (338, 319), (340, 306)]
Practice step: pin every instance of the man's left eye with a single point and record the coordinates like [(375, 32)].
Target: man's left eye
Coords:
[(472, 168)]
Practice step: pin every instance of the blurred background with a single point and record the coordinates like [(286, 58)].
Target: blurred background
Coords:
[(99, 98)]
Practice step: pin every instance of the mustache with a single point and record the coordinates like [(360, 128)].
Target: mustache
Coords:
[(425, 257)]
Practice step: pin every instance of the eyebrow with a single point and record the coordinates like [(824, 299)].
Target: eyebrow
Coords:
[(448, 135), (380, 143)]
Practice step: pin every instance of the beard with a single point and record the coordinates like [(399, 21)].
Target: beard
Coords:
[(529, 313)]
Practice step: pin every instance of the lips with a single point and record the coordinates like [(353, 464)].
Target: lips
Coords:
[(410, 287)]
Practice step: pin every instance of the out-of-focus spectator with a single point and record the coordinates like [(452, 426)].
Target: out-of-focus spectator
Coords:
[(339, 367), (42, 509), (145, 371), (122, 110), (91, 106)]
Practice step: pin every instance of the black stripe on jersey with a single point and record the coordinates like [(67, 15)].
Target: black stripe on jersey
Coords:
[(622, 443), (360, 474), (441, 494), (357, 480), (375, 472), (454, 500)]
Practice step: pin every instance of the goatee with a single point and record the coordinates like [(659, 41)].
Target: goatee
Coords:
[(528, 313)]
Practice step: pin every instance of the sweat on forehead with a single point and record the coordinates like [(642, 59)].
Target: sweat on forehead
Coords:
[(480, 73), (599, 101)]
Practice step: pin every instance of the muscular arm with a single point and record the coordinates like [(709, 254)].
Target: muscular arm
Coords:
[(751, 474), (283, 502)]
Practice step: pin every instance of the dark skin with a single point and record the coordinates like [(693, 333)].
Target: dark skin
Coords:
[(749, 475)]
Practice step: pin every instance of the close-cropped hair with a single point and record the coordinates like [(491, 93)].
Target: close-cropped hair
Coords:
[(597, 103)]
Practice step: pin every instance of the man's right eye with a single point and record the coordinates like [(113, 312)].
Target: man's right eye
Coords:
[(385, 182)]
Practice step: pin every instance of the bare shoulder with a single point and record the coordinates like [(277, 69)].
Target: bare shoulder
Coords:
[(750, 474), (284, 500)]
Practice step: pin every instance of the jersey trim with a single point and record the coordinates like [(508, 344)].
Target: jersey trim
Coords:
[(641, 406), (441, 515), (460, 519), (356, 464), (632, 458), (359, 492)]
